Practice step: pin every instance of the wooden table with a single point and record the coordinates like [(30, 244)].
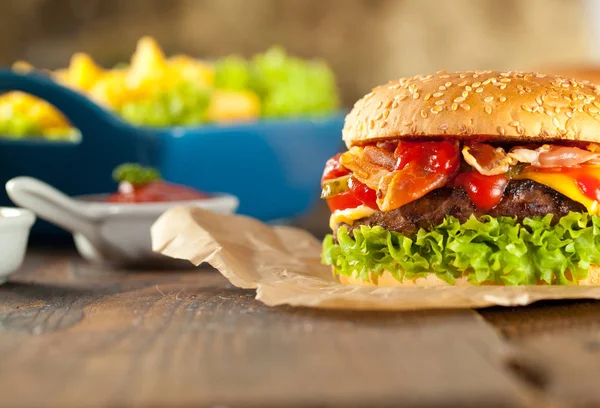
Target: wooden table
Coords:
[(75, 335)]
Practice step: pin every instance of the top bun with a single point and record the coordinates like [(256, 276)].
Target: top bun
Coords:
[(493, 105)]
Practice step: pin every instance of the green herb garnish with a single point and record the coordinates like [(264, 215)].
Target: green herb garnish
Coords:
[(135, 174)]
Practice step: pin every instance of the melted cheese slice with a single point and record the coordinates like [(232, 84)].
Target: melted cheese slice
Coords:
[(565, 185), (349, 215)]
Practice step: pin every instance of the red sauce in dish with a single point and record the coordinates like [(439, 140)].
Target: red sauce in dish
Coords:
[(156, 192)]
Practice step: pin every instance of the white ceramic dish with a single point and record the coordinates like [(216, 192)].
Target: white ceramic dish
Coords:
[(105, 232), (15, 224)]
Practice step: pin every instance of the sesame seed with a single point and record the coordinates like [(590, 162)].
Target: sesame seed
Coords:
[(597, 104), (557, 109), (502, 86), (526, 108), (379, 104), (500, 130), (360, 127), (476, 84), (505, 80), (440, 102), (468, 88), (388, 104), (394, 87), (520, 130), (486, 82), (444, 127), (438, 94), (379, 116), (386, 114), (412, 88), (513, 123), (459, 99), (454, 106), (502, 99), (566, 85), (544, 132), (488, 99), (566, 98), (520, 87), (442, 88), (540, 75), (444, 76), (556, 122), (465, 94), (416, 95), (569, 114), (436, 109), (593, 110), (427, 96), (488, 109), (462, 75), (549, 113), (465, 106), (383, 124), (423, 114), (448, 84), (479, 90), (371, 124), (463, 83), (539, 100), (401, 97), (505, 74), (527, 89)]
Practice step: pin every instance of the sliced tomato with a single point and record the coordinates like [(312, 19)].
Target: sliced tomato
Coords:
[(343, 201), (334, 169), (357, 194), (485, 191)]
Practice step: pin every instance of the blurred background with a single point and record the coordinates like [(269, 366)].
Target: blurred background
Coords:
[(361, 42), (366, 42)]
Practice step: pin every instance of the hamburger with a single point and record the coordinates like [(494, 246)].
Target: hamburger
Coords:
[(468, 178)]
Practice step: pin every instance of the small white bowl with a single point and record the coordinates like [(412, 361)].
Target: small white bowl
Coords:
[(15, 224), (106, 232)]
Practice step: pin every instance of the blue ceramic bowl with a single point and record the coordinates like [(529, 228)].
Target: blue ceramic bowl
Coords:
[(272, 166)]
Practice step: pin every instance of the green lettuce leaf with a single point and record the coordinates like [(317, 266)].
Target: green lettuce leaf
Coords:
[(499, 250)]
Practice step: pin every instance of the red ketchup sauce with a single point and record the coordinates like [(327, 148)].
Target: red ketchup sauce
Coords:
[(155, 192), (485, 191)]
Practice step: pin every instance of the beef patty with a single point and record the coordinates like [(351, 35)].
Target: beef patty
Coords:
[(522, 198)]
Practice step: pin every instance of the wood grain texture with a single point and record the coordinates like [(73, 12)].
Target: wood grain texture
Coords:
[(78, 335), (556, 348)]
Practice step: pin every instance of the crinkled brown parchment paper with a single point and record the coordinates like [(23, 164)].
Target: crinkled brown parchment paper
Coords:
[(283, 265)]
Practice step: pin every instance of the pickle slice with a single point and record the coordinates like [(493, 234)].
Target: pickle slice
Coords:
[(335, 186)]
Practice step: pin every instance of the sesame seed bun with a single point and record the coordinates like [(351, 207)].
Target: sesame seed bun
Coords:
[(386, 279), (508, 106)]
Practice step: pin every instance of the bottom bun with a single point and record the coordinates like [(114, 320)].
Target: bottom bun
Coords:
[(386, 279)]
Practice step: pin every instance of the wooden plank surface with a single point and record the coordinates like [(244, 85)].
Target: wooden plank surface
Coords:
[(79, 335), (73, 335)]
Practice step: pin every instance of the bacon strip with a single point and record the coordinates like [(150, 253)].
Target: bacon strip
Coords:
[(553, 156), (488, 160), (365, 171)]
